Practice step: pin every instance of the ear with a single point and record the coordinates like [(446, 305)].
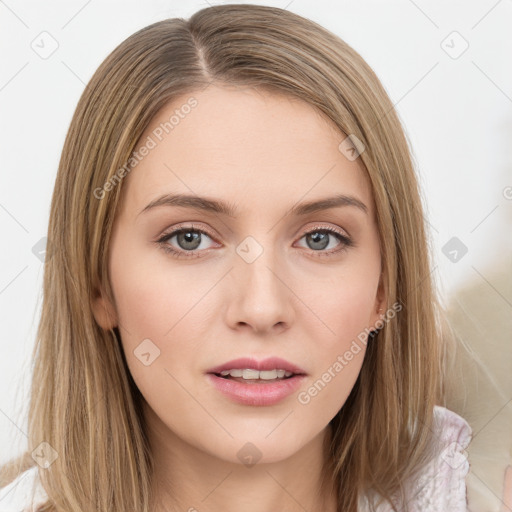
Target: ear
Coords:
[(104, 311), (380, 302)]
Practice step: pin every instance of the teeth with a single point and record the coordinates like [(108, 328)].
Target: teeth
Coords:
[(250, 374)]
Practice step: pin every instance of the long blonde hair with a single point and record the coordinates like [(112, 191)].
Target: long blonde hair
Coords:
[(84, 403)]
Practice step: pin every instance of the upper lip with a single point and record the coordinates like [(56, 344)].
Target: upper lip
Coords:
[(271, 363)]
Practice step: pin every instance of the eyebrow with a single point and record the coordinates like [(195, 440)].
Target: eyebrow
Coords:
[(220, 207)]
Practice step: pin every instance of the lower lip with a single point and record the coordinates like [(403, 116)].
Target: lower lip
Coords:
[(255, 393)]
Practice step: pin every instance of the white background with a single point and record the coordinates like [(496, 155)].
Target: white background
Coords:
[(457, 113)]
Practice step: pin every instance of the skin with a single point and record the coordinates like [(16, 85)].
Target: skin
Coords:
[(262, 153)]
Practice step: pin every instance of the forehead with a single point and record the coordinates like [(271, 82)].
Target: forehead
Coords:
[(250, 147)]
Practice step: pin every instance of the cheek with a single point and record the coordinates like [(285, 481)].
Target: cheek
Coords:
[(338, 353), (351, 311), (343, 304), (152, 297), (346, 313), (141, 299), (159, 303)]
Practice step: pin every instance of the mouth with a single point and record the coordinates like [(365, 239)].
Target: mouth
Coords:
[(250, 382), (251, 376), (250, 368)]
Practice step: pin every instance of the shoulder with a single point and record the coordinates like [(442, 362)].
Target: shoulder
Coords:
[(23, 494), (452, 427), (441, 484)]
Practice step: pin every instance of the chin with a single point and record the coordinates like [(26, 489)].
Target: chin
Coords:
[(251, 450)]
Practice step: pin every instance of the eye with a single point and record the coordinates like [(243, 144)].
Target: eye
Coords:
[(320, 239), (188, 239)]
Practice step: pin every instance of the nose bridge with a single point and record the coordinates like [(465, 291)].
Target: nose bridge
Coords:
[(262, 298), (258, 263)]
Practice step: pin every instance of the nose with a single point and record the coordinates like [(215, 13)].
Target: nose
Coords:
[(261, 297)]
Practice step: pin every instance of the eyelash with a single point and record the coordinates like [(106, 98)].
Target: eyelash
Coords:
[(162, 241)]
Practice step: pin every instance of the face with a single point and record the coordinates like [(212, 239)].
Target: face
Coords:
[(262, 277)]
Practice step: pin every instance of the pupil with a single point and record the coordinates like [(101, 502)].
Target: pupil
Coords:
[(319, 238), (189, 237)]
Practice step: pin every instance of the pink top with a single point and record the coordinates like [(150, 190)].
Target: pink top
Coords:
[(441, 486)]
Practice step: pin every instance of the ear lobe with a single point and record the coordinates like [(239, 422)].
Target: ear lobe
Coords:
[(380, 301), (104, 312)]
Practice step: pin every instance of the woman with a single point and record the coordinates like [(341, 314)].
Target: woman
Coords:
[(238, 305)]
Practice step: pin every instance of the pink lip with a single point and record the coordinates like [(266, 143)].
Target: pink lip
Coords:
[(265, 393), (257, 393), (271, 363)]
